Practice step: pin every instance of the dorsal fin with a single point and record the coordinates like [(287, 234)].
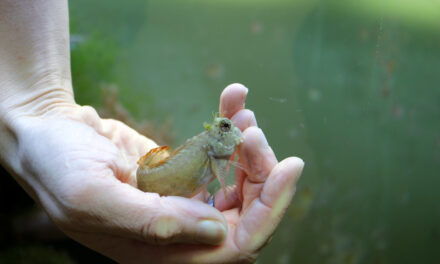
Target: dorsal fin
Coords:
[(155, 157)]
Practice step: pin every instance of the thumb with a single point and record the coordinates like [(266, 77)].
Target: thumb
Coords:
[(121, 210)]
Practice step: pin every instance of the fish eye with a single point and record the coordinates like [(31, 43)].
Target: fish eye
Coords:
[(225, 125)]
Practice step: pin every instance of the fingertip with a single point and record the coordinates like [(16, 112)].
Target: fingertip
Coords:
[(229, 201), (235, 88), (181, 220), (293, 164), (295, 160), (244, 118), (210, 232), (282, 179), (232, 99), (253, 137)]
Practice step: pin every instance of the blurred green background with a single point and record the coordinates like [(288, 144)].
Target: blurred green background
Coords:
[(352, 87)]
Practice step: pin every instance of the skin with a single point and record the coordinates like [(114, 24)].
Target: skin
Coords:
[(81, 168), (193, 165)]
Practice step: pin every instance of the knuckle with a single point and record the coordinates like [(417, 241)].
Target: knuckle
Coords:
[(162, 229)]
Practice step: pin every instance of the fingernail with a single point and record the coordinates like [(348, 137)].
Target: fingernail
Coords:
[(263, 141), (252, 120), (245, 95), (210, 232)]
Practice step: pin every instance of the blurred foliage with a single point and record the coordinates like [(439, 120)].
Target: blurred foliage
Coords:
[(91, 58)]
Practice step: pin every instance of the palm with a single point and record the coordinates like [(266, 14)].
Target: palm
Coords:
[(90, 176)]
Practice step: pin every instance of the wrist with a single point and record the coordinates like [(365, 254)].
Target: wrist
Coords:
[(16, 109), (37, 102)]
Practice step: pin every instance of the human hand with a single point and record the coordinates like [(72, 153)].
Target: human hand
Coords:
[(263, 190), (81, 169)]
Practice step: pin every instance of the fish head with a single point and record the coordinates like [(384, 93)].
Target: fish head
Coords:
[(224, 137)]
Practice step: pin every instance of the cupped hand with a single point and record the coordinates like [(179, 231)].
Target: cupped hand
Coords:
[(81, 169), (264, 187)]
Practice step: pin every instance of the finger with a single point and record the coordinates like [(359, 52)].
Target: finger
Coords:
[(126, 138), (270, 206), (120, 134), (229, 201), (258, 160), (243, 119), (123, 250), (287, 174), (256, 155), (119, 209), (232, 99)]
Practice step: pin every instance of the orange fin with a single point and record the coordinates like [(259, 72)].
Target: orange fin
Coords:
[(155, 157)]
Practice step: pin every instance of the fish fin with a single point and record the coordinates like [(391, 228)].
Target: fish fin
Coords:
[(155, 157), (220, 172), (236, 164)]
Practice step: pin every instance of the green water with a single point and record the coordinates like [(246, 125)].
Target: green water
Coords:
[(353, 89)]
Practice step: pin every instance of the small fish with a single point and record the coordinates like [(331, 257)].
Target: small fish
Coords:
[(192, 166)]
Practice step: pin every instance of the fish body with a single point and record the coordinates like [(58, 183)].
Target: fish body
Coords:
[(192, 166)]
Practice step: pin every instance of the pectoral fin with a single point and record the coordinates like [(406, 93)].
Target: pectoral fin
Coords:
[(219, 169), (155, 157)]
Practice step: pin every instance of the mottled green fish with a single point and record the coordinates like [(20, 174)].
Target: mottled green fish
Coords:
[(192, 166)]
